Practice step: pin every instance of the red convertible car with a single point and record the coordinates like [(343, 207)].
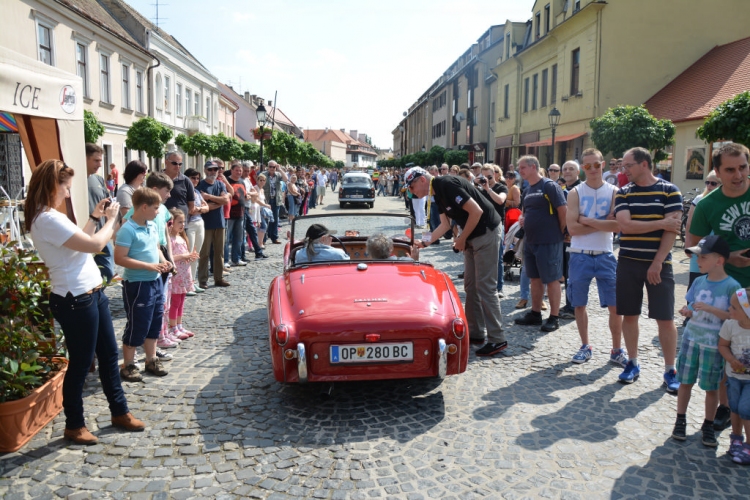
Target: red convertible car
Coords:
[(364, 319)]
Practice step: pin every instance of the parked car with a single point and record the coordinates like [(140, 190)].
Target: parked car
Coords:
[(356, 187), (364, 319)]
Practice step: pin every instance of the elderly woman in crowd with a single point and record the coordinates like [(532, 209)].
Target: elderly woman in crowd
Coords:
[(194, 229), (77, 301), (292, 197), (259, 215), (318, 246)]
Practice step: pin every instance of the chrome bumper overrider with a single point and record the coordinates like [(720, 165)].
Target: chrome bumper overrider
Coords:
[(442, 353), (301, 363)]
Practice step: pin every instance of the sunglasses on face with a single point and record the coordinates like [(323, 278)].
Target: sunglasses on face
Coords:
[(595, 165), (712, 183), (178, 163), (554, 170), (212, 170)]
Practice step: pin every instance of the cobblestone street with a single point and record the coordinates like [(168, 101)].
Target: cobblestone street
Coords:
[(525, 424)]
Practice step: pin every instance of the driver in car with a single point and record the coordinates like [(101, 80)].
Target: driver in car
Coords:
[(318, 246)]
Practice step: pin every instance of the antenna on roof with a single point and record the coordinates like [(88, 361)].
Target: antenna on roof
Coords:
[(157, 13)]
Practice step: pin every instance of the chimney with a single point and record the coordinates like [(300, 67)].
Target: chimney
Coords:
[(247, 96), (353, 134), (270, 104), (343, 130)]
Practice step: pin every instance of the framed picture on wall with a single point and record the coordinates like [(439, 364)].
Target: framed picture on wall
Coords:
[(695, 163)]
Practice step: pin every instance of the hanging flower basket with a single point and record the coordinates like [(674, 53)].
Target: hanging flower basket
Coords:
[(266, 134)]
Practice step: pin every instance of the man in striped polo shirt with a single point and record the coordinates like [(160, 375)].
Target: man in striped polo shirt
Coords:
[(649, 212)]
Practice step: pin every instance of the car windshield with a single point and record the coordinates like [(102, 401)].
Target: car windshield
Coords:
[(353, 230), (356, 179)]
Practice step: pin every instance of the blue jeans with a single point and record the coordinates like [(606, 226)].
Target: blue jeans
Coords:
[(525, 284), (292, 204), (333, 186), (381, 189), (105, 261), (87, 326), (235, 233), (434, 216), (252, 232), (500, 263), (273, 227)]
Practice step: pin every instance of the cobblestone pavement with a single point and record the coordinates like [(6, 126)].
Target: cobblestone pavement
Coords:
[(526, 424)]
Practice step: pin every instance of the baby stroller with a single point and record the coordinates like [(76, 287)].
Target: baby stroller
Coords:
[(513, 250)]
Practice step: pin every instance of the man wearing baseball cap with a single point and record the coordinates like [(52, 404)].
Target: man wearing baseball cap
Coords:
[(459, 200)]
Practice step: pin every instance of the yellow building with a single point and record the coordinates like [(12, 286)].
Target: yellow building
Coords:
[(586, 56)]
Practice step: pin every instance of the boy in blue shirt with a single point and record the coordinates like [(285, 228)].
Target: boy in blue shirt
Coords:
[(708, 306), (137, 250)]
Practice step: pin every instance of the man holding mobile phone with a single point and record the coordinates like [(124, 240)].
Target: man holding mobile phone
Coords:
[(97, 192)]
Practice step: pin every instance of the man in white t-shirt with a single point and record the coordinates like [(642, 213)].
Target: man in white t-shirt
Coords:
[(321, 179), (591, 224), (250, 228), (611, 176)]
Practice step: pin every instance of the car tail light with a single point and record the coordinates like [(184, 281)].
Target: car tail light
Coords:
[(372, 337), (452, 349), (459, 329), (290, 354), (282, 334)]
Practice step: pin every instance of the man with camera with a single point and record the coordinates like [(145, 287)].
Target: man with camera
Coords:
[(97, 192), (497, 192)]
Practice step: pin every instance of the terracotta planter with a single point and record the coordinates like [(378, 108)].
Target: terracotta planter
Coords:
[(20, 420)]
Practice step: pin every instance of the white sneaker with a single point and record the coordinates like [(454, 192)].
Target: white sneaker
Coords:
[(227, 266), (239, 263)]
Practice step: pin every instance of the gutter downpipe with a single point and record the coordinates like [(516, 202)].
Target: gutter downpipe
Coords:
[(150, 86), (519, 94)]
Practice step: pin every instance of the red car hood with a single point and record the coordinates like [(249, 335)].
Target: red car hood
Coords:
[(388, 286)]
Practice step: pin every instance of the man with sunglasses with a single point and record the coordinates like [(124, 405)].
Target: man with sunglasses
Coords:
[(275, 197), (591, 224), (216, 195), (611, 176), (459, 200), (182, 195), (649, 212)]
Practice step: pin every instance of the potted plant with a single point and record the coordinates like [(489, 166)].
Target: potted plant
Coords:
[(266, 133), (31, 366)]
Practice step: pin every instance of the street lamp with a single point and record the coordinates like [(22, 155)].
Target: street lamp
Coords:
[(554, 121), (260, 114)]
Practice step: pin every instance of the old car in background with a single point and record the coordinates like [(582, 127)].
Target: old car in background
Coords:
[(364, 319), (356, 187)]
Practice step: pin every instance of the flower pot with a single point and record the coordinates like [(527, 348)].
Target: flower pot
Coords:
[(20, 420), (267, 135)]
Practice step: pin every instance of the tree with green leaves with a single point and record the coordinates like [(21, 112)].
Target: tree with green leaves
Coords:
[(150, 136), (730, 121), (92, 127), (339, 164), (226, 148), (250, 151), (625, 127), (456, 157), (437, 155)]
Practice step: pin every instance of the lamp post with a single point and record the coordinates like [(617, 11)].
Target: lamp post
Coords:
[(260, 113), (554, 121)]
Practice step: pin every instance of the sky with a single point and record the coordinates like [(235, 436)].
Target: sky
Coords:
[(355, 64)]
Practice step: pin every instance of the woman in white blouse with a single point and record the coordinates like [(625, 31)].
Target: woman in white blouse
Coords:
[(77, 301)]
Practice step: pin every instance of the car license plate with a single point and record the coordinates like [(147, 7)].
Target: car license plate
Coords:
[(357, 196), (372, 353)]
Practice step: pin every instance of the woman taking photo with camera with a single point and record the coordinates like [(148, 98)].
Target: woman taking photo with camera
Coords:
[(77, 301)]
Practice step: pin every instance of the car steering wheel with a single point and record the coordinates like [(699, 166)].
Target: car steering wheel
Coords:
[(343, 247)]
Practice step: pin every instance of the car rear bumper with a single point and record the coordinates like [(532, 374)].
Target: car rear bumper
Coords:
[(426, 363), (356, 200)]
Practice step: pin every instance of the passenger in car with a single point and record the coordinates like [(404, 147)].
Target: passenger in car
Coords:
[(318, 246), (380, 247)]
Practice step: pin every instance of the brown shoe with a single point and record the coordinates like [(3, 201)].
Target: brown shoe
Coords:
[(203, 285), (80, 436), (221, 283), (522, 304), (155, 367), (128, 422)]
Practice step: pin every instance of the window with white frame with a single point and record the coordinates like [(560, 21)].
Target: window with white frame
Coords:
[(188, 100), (126, 86), (178, 99), (104, 79), (139, 91), (159, 91), (44, 34), (167, 94), (197, 104), (208, 109), (82, 70)]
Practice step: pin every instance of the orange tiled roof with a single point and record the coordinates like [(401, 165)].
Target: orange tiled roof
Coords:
[(720, 74)]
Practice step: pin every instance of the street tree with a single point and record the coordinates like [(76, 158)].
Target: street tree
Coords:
[(730, 121), (92, 127), (150, 136), (226, 148), (456, 157), (625, 127), (437, 155), (250, 151)]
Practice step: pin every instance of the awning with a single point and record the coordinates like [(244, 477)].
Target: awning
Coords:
[(562, 138)]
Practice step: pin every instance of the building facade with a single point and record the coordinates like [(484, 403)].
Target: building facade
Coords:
[(81, 37), (586, 56)]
